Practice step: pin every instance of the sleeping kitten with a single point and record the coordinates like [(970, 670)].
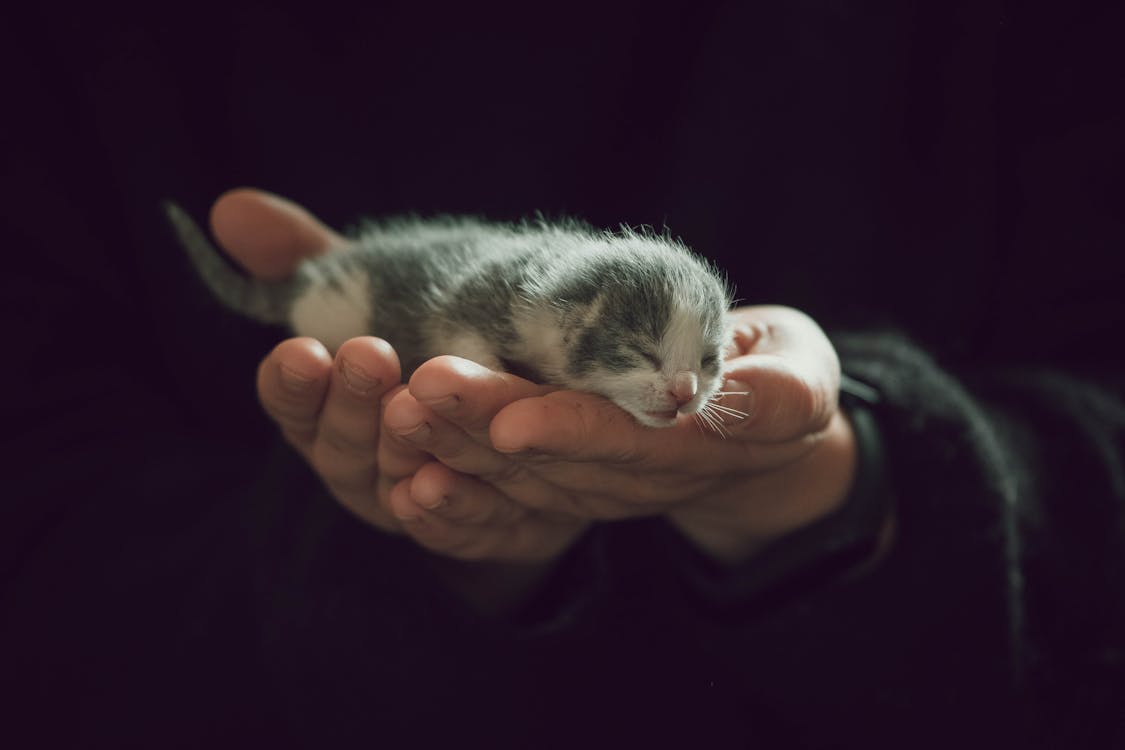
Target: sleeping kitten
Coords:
[(633, 317)]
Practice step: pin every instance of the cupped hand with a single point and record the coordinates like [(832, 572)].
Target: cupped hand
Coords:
[(483, 465), (782, 456), (329, 407)]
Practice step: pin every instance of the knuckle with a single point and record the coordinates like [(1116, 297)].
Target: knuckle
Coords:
[(506, 473), (495, 509), (361, 500), (810, 408), (333, 441), (367, 509), (477, 514), (450, 447), (334, 454), (355, 486), (275, 400), (824, 405), (802, 404), (282, 406), (299, 436), (508, 513)]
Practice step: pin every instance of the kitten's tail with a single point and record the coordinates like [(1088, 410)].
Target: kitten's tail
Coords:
[(265, 302)]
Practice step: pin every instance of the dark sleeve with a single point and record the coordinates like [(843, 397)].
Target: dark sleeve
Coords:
[(115, 539), (1003, 587)]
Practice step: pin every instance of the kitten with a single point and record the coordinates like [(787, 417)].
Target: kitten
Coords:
[(631, 316)]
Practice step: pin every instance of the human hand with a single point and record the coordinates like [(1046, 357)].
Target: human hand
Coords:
[(573, 454), (564, 458), (329, 408), (788, 462)]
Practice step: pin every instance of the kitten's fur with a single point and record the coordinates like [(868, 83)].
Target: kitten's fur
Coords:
[(631, 316)]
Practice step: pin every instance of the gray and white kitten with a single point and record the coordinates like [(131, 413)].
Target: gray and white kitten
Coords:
[(631, 316)]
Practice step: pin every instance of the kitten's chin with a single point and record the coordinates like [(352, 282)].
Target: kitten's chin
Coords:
[(657, 418), (669, 417)]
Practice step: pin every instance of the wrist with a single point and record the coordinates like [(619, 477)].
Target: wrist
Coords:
[(492, 589), (532, 593), (751, 511)]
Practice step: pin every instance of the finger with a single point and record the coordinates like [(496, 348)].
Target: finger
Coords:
[(791, 373), (467, 394), (440, 534), (345, 449), (749, 328), (418, 425), (474, 521), (267, 234), (292, 384), (398, 457), (461, 499), (569, 424)]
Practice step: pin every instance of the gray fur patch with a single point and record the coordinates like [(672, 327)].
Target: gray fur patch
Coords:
[(610, 294)]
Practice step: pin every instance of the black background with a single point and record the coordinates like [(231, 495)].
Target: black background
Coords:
[(952, 169)]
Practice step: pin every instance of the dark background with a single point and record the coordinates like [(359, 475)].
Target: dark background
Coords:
[(953, 169)]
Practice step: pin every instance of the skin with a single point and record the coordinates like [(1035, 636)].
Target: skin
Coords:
[(499, 476)]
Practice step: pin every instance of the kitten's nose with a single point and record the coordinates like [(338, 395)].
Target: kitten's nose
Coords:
[(684, 387)]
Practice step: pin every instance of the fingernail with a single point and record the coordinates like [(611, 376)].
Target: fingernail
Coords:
[(445, 403), (293, 380), (417, 433), (437, 504), (358, 381)]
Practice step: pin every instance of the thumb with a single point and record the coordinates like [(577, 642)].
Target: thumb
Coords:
[(267, 234), (783, 402), (791, 373)]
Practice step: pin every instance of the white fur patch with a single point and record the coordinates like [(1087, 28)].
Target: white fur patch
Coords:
[(642, 394), (540, 341), (334, 315), (682, 345), (466, 344), (650, 395)]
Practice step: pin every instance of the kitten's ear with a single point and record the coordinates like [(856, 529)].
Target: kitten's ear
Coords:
[(269, 235)]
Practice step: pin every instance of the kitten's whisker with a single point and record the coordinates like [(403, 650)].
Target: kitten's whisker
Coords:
[(713, 420), (717, 413), (720, 394), (708, 419), (729, 411)]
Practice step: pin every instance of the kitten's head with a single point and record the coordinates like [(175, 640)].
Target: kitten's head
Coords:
[(651, 333)]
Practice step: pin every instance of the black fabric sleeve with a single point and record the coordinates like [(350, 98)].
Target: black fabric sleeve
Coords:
[(815, 554), (1004, 581)]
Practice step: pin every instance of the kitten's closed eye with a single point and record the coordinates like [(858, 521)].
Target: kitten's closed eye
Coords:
[(648, 356), (630, 316)]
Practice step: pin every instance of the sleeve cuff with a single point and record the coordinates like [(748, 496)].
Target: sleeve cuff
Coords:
[(570, 591), (811, 556)]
